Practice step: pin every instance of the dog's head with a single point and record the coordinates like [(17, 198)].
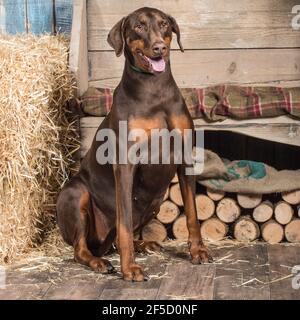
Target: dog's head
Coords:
[(145, 37)]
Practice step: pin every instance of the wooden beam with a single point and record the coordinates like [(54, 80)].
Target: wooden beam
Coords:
[(14, 16), (40, 16), (280, 129), (206, 24), (2, 17), (287, 133), (63, 16), (200, 68), (94, 122), (78, 48)]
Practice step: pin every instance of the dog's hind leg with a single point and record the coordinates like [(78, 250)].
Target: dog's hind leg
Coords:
[(73, 220)]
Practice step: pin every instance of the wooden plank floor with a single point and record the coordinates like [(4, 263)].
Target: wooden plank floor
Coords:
[(250, 271)]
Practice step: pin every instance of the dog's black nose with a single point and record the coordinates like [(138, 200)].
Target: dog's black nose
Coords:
[(159, 48)]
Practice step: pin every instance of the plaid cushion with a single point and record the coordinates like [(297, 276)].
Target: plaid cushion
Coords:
[(216, 103)]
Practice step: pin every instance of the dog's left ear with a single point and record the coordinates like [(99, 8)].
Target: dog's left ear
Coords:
[(175, 29), (115, 37)]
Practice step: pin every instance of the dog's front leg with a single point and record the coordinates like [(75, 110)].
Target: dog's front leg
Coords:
[(124, 174), (198, 251)]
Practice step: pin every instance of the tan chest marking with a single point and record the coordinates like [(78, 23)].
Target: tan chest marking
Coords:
[(180, 122), (146, 124)]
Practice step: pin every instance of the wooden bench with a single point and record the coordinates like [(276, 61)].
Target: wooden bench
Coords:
[(246, 43)]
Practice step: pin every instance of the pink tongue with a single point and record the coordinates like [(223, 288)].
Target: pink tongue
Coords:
[(158, 65)]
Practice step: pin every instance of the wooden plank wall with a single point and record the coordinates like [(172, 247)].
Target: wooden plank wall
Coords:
[(247, 41), (36, 16)]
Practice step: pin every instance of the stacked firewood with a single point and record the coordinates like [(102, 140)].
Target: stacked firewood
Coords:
[(272, 218)]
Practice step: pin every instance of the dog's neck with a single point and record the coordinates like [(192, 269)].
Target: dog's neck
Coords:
[(137, 69), (134, 78)]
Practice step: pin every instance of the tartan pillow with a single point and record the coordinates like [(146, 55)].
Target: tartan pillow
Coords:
[(217, 102)]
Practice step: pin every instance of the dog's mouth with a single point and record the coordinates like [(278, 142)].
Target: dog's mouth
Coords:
[(156, 64)]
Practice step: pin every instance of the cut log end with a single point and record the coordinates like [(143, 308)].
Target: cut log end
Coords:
[(175, 179), (292, 231), (175, 194), (213, 229), (180, 230), (168, 212), (263, 212), (215, 195), (205, 207), (166, 196), (245, 229), (272, 232), (292, 197), (228, 210), (154, 231), (283, 212), (249, 201)]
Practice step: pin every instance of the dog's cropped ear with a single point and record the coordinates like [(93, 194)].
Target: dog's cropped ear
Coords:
[(175, 29), (115, 37)]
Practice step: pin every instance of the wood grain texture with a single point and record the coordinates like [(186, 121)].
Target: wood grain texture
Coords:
[(179, 228), (236, 276), (94, 122), (292, 231), (263, 212), (78, 59), (15, 16), (213, 229), (206, 24), (247, 272), (200, 68), (128, 294), (282, 259), (79, 291), (272, 232), (282, 133), (40, 16), (24, 291), (281, 129), (2, 17), (118, 289), (187, 281), (36, 16), (154, 231), (63, 16)]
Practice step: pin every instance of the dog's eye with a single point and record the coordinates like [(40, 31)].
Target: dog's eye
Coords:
[(139, 27), (164, 24)]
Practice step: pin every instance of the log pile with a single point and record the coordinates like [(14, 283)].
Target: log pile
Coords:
[(270, 218)]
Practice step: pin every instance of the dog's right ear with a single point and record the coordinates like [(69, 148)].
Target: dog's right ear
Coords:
[(115, 37)]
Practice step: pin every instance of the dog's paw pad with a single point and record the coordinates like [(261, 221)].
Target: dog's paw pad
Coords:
[(101, 265), (201, 255), (135, 274)]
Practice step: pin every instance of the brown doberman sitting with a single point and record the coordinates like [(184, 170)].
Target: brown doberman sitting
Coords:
[(108, 202)]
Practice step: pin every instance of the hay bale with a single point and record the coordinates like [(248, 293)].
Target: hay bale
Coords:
[(37, 138)]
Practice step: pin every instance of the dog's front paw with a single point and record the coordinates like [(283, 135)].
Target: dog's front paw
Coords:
[(101, 265), (135, 273), (200, 254)]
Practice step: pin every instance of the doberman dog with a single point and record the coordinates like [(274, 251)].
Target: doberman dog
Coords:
[(107, 203)]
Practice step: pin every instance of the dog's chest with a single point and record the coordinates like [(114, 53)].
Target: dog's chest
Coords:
[(150, 185), (150, 124)]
